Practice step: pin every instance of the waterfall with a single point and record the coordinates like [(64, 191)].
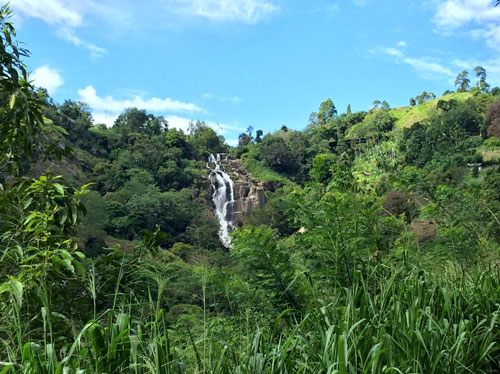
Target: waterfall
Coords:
[(222, 197)]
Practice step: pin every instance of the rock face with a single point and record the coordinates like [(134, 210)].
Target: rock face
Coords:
[(234, 192)]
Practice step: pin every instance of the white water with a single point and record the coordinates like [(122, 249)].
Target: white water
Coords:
[(223, 198)]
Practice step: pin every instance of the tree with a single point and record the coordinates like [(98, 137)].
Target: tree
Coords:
[(277, 155), (492, 120), (244, 139), (269, 266), (205, 140), (258, 136), (412, 101), (348, 111), (481, 75), (37, 215), (249, 131), (462, 82), (425, 96), (414, 145), (327, 112), (323, 165), (21, 121), (133, 120)]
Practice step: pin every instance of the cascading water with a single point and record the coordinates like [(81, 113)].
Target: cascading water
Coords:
[(223, 197)]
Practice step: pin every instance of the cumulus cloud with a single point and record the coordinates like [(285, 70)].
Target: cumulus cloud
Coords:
[(48, 78), (106, 109), (246, 11), (479, 19), (110, 104), (456, 13), (182, 123)]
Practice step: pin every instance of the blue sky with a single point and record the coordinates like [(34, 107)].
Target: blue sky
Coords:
[(260, 63)]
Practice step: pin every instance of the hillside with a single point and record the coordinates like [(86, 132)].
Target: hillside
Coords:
[(368, 242), (406, 116)]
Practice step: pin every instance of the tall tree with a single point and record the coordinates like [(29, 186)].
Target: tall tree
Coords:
[(481, 76), (327, 111), (258, 137), (462, 82), (249, 131)]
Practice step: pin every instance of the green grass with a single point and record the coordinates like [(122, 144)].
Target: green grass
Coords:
[(389, 320), (407, 116), (262, 173), (491, 155)]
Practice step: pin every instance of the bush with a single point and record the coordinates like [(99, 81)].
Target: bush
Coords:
[(397, 203)]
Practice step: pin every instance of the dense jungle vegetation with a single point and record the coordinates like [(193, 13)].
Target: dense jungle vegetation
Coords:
[(378, 250)]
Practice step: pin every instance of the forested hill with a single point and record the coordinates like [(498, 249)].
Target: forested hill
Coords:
[(143, 175), (378, 249), (146, 175)]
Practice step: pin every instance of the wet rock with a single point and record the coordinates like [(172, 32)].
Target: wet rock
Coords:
[(249, 195)]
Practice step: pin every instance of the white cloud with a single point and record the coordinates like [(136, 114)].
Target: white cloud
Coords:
[(48, 78), (456, 13), (236, 99), (360, 2), (425, 67), (481, 15), (392, 52), (401, 44), (68, 34), (54, 12), (109, 104), (232, 142), (182, 123), (106, 109), (246, 11), (105, 118), (233, 99), (65, 15)]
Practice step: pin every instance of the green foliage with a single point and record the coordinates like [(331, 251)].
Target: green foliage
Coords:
[(446, 135), (323, 164), (327, 112), (339, 232), (374, 125), (268, 264), (133, 120), (21, 120), (205, 140), (277, 155), (379, 257), (462, 82)]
